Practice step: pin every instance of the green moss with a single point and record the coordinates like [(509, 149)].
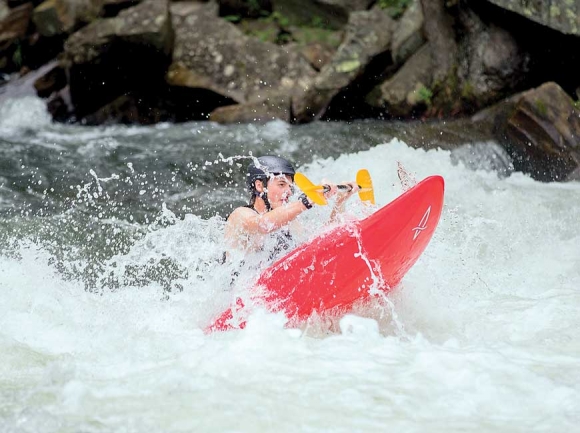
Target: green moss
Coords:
[(425, 94), (467, 90), (17, 56), (395, 8), (541, 107), (233, 18)]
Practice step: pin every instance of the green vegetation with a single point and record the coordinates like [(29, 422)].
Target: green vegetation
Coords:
[(17, 56), (395, 8), (233, 18), (425, 95), (541, 106)]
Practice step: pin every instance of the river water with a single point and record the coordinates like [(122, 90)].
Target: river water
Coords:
[(109, 271)]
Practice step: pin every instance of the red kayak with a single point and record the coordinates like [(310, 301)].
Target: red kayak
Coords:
[(349, 263)]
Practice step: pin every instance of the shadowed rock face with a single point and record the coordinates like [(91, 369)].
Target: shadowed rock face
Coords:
[(561, 15), (368, 35), (13, 29), (115, 56), (212, 54)]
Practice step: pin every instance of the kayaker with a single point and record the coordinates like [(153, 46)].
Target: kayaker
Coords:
[(270, 180)]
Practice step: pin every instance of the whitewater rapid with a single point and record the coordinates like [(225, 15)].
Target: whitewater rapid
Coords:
[(482, 335)]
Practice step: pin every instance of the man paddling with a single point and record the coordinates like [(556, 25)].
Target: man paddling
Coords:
[(270, 180)]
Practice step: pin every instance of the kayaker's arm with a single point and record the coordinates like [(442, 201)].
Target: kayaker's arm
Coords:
[(247, 221), (341, 199)]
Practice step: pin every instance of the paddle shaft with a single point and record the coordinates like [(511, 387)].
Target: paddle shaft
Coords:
[(341, 187)]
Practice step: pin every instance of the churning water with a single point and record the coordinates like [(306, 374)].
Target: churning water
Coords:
[(109, 239)]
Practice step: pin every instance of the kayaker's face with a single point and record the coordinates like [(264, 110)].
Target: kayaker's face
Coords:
[(279, 190)]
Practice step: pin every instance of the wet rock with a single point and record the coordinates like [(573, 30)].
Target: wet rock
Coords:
[(561, 15), (115, 56), (261, 110), (540, 130), (317, 54), (408, 36), (488, 156), (367, 36), (53, 81), (213, 54), (408, 89)]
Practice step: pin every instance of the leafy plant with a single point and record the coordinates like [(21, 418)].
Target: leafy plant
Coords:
[(425, 95)]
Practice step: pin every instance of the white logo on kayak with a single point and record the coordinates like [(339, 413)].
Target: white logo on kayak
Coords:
[(422, 224)]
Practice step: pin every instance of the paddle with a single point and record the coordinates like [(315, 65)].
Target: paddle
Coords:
[(316, 192)]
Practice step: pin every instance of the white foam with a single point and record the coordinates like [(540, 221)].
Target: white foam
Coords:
[(488, 338)]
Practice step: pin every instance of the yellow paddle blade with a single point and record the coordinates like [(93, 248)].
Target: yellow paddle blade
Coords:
[(363, 179), (313, 192)]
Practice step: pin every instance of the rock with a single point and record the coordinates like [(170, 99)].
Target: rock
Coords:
[(493, 64), (263, 30), (146, 24), (53, 17), (540, 130), (211, 53), (327, 14), (408, 36), (401, 94), (115, 56), (261, 110), (13, 30), (317, 54), (316, 45), (367, 36), (4, 9), (53, 81), (439, 32), (15, 24), (561, 15)]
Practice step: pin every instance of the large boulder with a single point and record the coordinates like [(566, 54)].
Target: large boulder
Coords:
[(115, 56), (561, 15), (493, 64), (367, 37), (213, 54), (407, 90), (54, 17), (540, 129), (13, 30), (4, 9), (408, 36), (263, 109)]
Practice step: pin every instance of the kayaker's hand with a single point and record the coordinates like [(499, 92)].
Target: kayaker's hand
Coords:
[(346, 194), (332, 191)]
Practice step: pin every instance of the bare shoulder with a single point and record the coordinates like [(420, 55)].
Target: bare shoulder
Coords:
[(241, 213)]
